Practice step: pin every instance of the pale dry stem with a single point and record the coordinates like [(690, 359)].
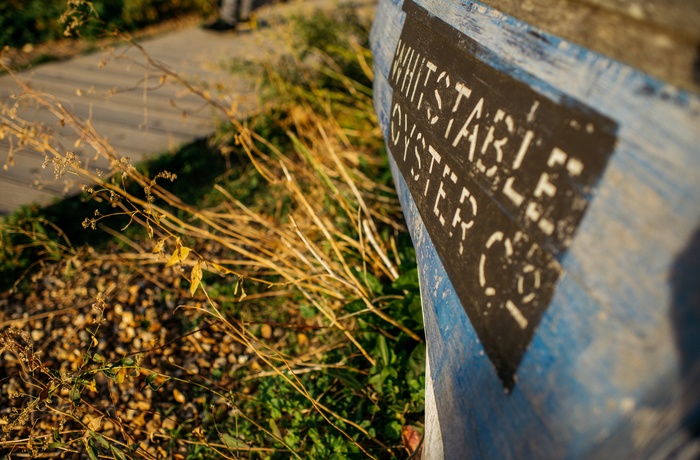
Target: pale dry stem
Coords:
[(309, 257)]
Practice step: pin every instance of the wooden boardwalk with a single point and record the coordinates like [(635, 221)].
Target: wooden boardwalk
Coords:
[(123, 98)]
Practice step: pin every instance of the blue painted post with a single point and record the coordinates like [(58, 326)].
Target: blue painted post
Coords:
[(553, 196)]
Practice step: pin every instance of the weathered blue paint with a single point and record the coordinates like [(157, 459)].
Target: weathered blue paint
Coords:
[(613, 367)]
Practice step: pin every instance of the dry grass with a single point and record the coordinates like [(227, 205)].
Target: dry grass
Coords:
[(173, 340)]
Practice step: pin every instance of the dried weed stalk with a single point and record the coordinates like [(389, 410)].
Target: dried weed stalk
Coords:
[(308, 254)]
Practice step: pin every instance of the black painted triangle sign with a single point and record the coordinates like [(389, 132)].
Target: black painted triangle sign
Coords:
[(501, 176)]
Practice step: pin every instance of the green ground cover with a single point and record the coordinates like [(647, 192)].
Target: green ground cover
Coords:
[(38, 21)]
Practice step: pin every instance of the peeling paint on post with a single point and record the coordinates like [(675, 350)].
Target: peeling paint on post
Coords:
[(552, 195)]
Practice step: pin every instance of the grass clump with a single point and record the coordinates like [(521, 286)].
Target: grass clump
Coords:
[(270, 310)]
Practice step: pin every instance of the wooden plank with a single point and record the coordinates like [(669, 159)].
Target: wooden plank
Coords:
[(29, 165), (122, 134), (679, 17), (156, 115), (165, 102), (123, 75), (612, 366), (121, 124), (660, 38), (15, 194)]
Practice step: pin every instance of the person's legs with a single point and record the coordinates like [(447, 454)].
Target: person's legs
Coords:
[(245, 7), (228, 17), (227, 11), (231, 12)]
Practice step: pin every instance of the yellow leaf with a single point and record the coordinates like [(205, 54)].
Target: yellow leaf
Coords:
[(196, 276), (179, 256), (221, 269), (121, 375), (92, 386), (95, 423), (159, 247)]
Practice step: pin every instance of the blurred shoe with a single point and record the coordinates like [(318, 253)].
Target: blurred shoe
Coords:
[(220, 26)]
